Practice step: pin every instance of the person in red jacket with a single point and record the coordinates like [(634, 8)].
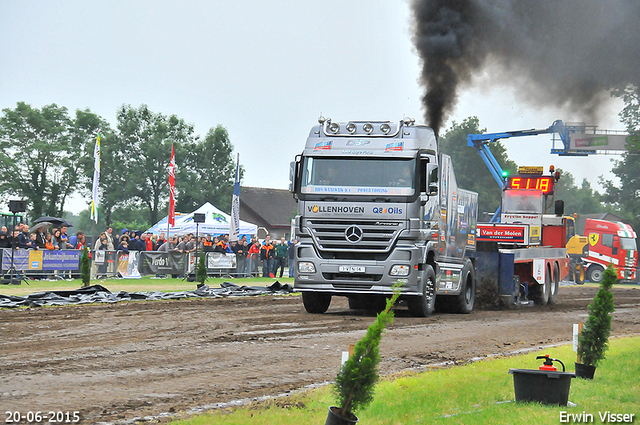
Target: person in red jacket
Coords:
[(254, 257), (80, 241)]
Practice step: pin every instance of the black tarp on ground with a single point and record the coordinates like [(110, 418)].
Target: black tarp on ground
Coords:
[(100, 294)]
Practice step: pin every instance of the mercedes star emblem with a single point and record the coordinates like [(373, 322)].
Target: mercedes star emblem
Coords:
[(353, 234)]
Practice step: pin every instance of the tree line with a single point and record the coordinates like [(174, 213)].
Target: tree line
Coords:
[(46, 156)]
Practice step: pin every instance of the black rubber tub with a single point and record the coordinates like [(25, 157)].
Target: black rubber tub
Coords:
[(542, 386)]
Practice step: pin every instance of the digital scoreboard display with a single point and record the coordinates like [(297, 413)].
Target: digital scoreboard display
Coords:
[(542, 183)]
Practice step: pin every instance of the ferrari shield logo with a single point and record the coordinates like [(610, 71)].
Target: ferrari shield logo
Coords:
[(593, 239)]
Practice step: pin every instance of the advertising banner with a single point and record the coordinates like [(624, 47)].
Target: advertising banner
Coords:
[(502, 233), (533, 220), (604, 142), (128, 264), (218, 260), (154, 262), (28, 259)]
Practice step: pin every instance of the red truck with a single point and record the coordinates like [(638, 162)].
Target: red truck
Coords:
[(535, 240), (610, 242)]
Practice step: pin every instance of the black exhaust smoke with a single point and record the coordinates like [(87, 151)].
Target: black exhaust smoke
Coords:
[(563, 53)]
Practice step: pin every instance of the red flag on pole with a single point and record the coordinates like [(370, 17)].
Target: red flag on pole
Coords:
[(172, 188)]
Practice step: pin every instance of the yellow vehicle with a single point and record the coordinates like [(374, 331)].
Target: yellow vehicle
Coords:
[(577, 249)]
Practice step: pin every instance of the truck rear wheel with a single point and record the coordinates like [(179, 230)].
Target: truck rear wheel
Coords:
[(463, 302), (595, 273), (422, 306), (555, 285), (316, 302), (541, 292)]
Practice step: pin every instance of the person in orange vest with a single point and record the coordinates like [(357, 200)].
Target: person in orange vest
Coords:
[(222, 246), (267, 254), (207, 244)]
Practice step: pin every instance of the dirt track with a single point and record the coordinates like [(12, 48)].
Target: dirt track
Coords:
[(122, 361)]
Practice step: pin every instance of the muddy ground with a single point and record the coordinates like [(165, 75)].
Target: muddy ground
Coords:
[(117, 362)]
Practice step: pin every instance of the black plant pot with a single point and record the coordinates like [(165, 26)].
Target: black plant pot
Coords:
[(547, 387), (334, 419), (585, 371)]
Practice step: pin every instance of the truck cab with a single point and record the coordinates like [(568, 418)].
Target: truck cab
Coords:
[(610, 242)]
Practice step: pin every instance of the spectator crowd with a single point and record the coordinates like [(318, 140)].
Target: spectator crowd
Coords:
[(252, 256)]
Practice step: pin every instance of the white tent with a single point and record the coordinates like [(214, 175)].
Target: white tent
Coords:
[(216, 222)]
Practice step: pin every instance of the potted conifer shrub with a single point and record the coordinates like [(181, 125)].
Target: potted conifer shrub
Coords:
[(201, 271), (85, 267), (356, 380), (594, 339)]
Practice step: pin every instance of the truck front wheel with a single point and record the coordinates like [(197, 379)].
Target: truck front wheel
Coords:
[(595, 273), (316, 302), (422, 306)]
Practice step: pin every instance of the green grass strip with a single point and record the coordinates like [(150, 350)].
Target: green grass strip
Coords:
[(476, 393)]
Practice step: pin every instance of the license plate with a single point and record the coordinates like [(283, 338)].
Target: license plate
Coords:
[(351, 269)]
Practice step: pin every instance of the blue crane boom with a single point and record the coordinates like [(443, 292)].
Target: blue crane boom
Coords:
[(481, 143)]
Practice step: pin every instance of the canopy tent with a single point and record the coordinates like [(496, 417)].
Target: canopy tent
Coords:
[(215, 222)]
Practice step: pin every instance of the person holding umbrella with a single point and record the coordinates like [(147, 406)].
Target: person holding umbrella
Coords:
[(5, 242)]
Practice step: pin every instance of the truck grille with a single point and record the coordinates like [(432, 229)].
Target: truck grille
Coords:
[(372, 236), (351, 277)]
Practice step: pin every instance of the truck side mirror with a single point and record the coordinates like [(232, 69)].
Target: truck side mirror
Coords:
[(293, 166), (616, 245), (432, 179)]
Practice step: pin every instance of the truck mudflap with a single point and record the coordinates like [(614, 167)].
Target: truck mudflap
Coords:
[(495, 272)]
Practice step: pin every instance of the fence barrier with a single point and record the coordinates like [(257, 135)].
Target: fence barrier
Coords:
[(60, 264)]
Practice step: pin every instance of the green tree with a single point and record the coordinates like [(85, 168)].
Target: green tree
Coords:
[(625, 196), (471, 171), (143, 151), (85, 267), (207, 173), (594, 339), (630, 114), (201, 271), (579, 200), (355, 383), (39, 159)]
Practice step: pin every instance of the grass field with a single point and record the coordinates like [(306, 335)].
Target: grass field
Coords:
[(477, 393), (131, 285)]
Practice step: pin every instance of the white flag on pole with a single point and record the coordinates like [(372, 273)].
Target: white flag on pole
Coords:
[(96, 179), (234, 228)]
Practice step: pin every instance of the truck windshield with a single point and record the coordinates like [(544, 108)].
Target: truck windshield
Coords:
[(628, 243), (522, 201), (359, 176)]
